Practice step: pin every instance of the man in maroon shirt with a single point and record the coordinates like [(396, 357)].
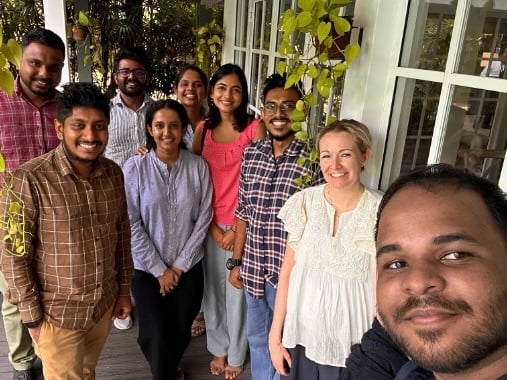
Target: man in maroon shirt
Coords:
[(27, 131)]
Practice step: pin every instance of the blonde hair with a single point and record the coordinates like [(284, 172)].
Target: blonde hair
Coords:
[(355, 128)]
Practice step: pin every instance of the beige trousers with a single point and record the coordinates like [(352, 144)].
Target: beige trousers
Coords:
[(72, 354)]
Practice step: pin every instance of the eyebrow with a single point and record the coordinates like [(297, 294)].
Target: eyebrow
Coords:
[(437, 240)]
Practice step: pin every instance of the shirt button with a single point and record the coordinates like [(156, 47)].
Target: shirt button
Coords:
[(98, 285), (98, 264)]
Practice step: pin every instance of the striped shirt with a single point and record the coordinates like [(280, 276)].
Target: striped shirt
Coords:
[(25, 130), (266, 183), (126, 130), (77, 241)]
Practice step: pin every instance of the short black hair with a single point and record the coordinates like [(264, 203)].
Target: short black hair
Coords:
[(134, 53), (278, 81), (158, 105), (80, 94), (446, 175), (44, 37)]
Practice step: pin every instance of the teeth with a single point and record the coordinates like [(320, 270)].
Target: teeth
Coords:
[(87, 146), (279, 123), (337, 174), (191, 96)]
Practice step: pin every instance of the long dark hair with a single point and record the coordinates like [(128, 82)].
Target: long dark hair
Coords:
[(158, 105), (240, 114)]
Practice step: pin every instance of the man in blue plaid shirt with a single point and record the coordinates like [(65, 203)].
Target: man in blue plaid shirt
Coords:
[(267, 180)]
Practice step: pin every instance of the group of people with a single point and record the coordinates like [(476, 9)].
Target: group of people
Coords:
[(206, 215)]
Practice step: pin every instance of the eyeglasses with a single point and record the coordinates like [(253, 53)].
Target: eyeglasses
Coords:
[(285, 107), (138, 73)]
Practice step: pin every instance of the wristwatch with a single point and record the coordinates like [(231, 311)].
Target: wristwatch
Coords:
[(231, 263)]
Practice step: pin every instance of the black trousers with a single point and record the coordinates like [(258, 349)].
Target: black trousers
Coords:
[(165, 321), (306, 369)]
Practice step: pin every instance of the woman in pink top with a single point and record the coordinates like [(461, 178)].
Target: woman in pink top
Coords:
[(221, 140)]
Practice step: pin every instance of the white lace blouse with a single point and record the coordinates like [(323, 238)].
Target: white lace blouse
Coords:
[(331, 300)]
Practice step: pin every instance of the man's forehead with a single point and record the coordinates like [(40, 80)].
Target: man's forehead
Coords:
[(280, 94)]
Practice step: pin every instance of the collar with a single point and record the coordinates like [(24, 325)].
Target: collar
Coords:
[(65, 168), (295, 148), (118, 101)]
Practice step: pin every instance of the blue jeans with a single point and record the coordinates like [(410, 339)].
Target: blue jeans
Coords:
[(258, 319)]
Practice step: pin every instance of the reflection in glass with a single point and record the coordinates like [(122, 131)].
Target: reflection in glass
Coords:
[(419, 103), (241, 14), (428, 34), (262, 26), (259, 73), (475, 136), (484, 50)]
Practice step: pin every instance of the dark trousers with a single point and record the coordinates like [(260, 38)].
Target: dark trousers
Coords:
[(305, 369), (165, 321)]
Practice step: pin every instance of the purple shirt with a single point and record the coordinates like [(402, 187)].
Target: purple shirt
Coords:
[(25, 130)]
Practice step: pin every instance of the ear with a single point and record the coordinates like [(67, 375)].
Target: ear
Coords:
[(59, 130), (366, 156), (149, 130)]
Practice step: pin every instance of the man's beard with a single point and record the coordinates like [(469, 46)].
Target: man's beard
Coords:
[(485, 335)]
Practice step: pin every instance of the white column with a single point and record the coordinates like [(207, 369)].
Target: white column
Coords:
[(55, 20)]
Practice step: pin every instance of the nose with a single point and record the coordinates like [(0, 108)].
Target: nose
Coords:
[(422, 278)]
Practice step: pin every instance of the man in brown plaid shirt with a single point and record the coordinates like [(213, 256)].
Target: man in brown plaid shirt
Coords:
[(66, 249)]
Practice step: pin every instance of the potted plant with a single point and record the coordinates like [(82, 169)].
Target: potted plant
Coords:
[(312, 51), (83, 23)]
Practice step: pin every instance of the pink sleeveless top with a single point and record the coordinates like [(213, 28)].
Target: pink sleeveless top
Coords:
[(224, 162)]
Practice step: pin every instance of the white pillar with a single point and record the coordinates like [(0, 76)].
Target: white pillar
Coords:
[(55, 20)]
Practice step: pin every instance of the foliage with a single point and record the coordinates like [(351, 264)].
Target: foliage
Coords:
[(13, 222), (10, 55), (210, 38), (308, 37)]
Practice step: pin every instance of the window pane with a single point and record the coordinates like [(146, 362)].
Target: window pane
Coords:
[(485, 46), (475, 136), (428, 34), (241, 14), (413, 125)]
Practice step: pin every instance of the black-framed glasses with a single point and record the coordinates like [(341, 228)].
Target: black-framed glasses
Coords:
[(285, 107), (138, 73)]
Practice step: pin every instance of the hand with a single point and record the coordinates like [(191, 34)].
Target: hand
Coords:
[(280, 357), (168, 281), (122, 308), (216, 234), (227, 240), (142, 150), (234, 278), (35, 332)]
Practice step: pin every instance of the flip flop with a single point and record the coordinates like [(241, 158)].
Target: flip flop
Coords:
[(217, 365), (231, 372)]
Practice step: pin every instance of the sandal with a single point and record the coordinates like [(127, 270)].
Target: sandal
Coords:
[(231, 372), (198, 326), (180, 375), (217, 365)]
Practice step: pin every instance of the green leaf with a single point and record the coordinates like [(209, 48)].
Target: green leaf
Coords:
[(314, 154), (300, 105), (300, 161), (306, 5), (298, 181), (341, 25), (280, 67), (2, 163), (6, 81), (292, 79), (296, 126), (287, 15), (323, 30), (304, 19), (15, 49), (83, 19), (297, 115), (3, 59), (323, 57), (20, 249), (351, 52), (312, 71), (311, 100), (302, 135), (331, 119), (340, 2)]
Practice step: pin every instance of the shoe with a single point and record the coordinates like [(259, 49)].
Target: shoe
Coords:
[(22, 375), (123, 324)]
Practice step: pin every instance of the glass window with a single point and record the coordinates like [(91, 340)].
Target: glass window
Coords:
[(262, 29), (240, 30), (475, 138), (485, 48), (428, 35)]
